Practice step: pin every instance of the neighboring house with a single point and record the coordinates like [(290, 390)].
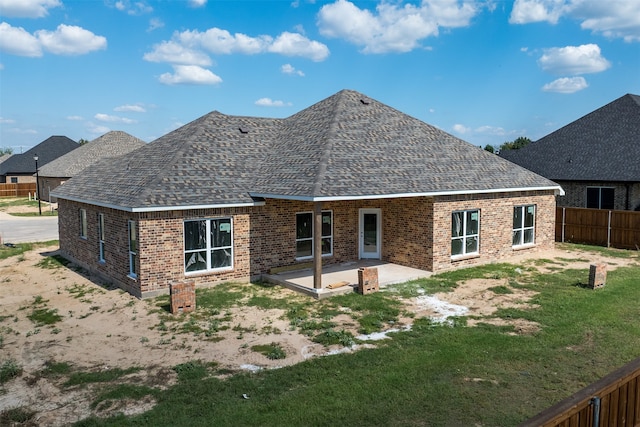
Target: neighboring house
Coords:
[(111, 144), (596, 159), (4, 157), (21, 168), (231, 197)]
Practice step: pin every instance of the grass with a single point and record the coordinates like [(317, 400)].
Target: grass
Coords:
[(432, 374), (108, 375), (9, 369), (33, 204), (19, 249), (270, 351)]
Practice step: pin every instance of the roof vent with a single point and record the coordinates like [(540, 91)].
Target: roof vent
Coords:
[(243, 129), (365, 100)]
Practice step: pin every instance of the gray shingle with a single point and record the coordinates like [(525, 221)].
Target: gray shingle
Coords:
[(47, 151), (339, 148), (109, 145), (603, 145)]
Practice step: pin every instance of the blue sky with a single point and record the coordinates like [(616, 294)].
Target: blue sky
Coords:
[(486, 71)]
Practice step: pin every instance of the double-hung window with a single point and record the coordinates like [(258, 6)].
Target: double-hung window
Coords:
[(83, 223), (101, 237), (465, 232), (600, 197), (133, 249), (524, 222), (208, 245), (305, 230)]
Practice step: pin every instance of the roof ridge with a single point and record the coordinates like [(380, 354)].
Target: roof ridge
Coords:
[(321, 170), (147, 189)]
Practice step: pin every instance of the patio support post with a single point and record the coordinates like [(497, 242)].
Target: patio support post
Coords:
[(317, 245)]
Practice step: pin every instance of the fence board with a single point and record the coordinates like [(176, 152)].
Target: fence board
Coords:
[(619, 394), (17, 190), (618, 229)]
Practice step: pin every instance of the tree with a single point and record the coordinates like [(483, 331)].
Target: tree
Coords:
[(6, 150), (516, 144), (489, 148), (82, 141)]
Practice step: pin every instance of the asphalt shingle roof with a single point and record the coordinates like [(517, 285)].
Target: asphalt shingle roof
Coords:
[(604, 145), (344, 147), (47, 151), (109, 145)]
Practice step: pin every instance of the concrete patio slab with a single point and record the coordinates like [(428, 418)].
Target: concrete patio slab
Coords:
[(302, 280)]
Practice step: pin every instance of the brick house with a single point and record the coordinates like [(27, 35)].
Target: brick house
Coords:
[(21, 168), (231, 197), (595, 158), (111, 144)]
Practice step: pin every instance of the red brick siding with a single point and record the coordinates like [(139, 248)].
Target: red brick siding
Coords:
[(415, 233), (496, 223)]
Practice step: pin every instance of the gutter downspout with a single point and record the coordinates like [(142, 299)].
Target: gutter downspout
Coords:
[(317, 245)]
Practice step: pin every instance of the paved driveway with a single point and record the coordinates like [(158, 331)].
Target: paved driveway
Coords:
[(17, 229)]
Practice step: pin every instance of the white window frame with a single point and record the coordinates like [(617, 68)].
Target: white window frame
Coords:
[(328, 237), (83, 223), (209, 247), (599, 188), (522, 228), (464, 236), (133, 247), (101, 235)]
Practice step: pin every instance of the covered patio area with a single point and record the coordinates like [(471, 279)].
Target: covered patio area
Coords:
[(343, 278)]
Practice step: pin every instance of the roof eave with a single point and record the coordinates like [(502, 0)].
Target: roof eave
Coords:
[(558, 191), (141, 209)]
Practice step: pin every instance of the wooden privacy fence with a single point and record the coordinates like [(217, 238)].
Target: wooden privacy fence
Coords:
[(613, 401), (17, 190), (618, 229)]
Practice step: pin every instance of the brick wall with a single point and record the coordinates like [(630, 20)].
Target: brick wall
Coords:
[(496, 223), (576, 194), (416, 232), (48, 184)]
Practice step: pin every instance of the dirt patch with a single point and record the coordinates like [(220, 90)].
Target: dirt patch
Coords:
[(102, 328)]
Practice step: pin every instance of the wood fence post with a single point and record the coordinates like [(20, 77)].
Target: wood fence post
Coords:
[(609, 231)]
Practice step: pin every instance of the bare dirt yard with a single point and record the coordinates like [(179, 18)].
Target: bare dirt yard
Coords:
[(101, 328)]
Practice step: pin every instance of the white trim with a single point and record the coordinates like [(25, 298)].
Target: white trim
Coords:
[(159, 208), (557, 189), (209, 248), (330, 254), (378, 253)]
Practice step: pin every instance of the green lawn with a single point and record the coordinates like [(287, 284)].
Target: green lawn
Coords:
[(433, 375)]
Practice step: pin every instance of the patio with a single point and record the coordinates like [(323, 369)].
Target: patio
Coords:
[(343, 278)]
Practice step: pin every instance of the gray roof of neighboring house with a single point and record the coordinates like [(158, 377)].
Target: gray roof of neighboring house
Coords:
[(344, 147), (47, 151), (604, 145), (4, 157), (111, 144)]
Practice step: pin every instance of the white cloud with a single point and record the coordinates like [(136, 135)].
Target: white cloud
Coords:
[(6, 121), (614, 19), (136, 108), (191, 47), (393, 27), (294, 44), (566, 85), (268, 102), (526, 11), (134, 8), (113, 119), (97, 129), (574, 60), (27, 8), (75, 118), (154, 24), (175, 53), (70, 40), (461, 129), (17, 41), (290, 69), (197, 3), (189, 74)]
